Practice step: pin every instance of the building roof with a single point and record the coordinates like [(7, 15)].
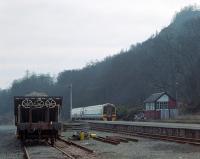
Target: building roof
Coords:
[(154, 97)]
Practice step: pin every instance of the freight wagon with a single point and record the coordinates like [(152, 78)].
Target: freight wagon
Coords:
[(37, 117), (97, 112)]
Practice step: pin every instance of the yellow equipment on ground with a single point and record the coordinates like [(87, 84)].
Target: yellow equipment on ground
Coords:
[(92, 135)]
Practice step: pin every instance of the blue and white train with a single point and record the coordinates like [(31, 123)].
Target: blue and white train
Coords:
[(106, 112)]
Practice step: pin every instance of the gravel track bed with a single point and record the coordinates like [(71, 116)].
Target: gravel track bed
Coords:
[(143, 149), (10, 147)]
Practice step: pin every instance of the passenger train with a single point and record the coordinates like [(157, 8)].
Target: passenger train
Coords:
[(106, 112)]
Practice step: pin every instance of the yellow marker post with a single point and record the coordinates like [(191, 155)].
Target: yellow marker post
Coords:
[(82, 135)]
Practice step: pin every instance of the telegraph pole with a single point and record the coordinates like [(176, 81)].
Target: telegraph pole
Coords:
[(177, 94), (70, 87)]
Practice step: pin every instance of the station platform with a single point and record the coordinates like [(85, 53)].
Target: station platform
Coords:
[(150, 124)]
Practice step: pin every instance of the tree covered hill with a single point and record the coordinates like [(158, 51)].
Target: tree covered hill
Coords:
[(167, 61)]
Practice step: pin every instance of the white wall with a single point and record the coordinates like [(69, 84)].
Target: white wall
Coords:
[(164, 98)]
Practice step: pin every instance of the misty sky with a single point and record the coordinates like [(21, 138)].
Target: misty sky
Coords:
[(49, 36)]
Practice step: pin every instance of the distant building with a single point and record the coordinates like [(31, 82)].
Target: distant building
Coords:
[(160, 106)]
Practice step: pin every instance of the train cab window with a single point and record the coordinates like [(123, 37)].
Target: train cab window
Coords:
[(108, 110), (113, 110)]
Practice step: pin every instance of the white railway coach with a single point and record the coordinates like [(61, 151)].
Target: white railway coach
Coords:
[(77, 113), (97, 112)]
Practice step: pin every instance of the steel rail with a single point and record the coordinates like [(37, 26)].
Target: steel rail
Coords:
[(56, 147), (77, 145), (71, 157), (26, 154)]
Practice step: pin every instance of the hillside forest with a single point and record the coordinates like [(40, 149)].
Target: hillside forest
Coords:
[(168, 61)]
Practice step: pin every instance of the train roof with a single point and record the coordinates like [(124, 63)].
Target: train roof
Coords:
[(34, 97), (96, 106), (100, 105), (74, 109)]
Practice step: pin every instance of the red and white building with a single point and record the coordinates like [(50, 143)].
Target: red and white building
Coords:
[(160, 106)]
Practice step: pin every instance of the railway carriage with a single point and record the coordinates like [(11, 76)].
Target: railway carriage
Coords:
[(37, 117), (105, 112)]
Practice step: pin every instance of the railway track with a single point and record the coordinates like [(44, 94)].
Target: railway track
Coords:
[(74, 150), (181, 140), (65, 153), (42, 152), (62, 149)]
